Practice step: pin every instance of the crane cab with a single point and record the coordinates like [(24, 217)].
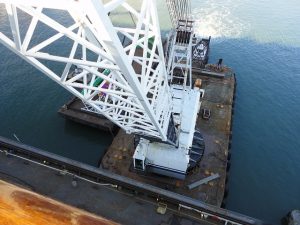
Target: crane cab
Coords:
[(139, 158)]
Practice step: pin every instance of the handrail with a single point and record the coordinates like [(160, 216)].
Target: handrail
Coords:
[(94, 174)]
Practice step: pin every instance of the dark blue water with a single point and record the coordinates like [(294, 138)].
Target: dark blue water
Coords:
[(261, 45), (28, 108), (265, 171), (29, 101)]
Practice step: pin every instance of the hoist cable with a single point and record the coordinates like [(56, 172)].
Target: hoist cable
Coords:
[(179, 10)]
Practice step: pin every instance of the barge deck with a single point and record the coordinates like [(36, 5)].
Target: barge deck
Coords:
[(219, 95), (72, 110)]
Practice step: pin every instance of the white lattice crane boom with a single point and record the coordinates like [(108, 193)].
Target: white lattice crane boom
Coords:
[(128, 84), (137, 94)]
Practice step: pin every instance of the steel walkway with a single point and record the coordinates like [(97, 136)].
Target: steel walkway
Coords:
[(104, 193)]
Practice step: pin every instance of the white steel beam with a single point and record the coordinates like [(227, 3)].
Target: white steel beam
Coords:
[(110, 6), (14, 24), (127, 84)]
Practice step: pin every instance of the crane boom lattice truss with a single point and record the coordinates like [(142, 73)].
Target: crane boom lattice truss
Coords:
[(179, 10), (132, 87), (179, 57), (127, 81)]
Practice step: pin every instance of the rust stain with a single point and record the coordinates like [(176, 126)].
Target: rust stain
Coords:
[(40, 207), (19, 206), (86, 220)]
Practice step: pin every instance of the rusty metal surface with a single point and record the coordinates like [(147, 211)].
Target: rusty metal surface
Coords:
[(19, 206)]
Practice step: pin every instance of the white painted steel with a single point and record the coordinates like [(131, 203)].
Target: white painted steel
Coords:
[(128, 84), (179, 10), (179, 67), (174, 160), (133, 84)]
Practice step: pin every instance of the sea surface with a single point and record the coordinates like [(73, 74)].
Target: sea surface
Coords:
[(258, 39)]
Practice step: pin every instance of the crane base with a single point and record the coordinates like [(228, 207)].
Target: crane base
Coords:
[(169, 160)]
